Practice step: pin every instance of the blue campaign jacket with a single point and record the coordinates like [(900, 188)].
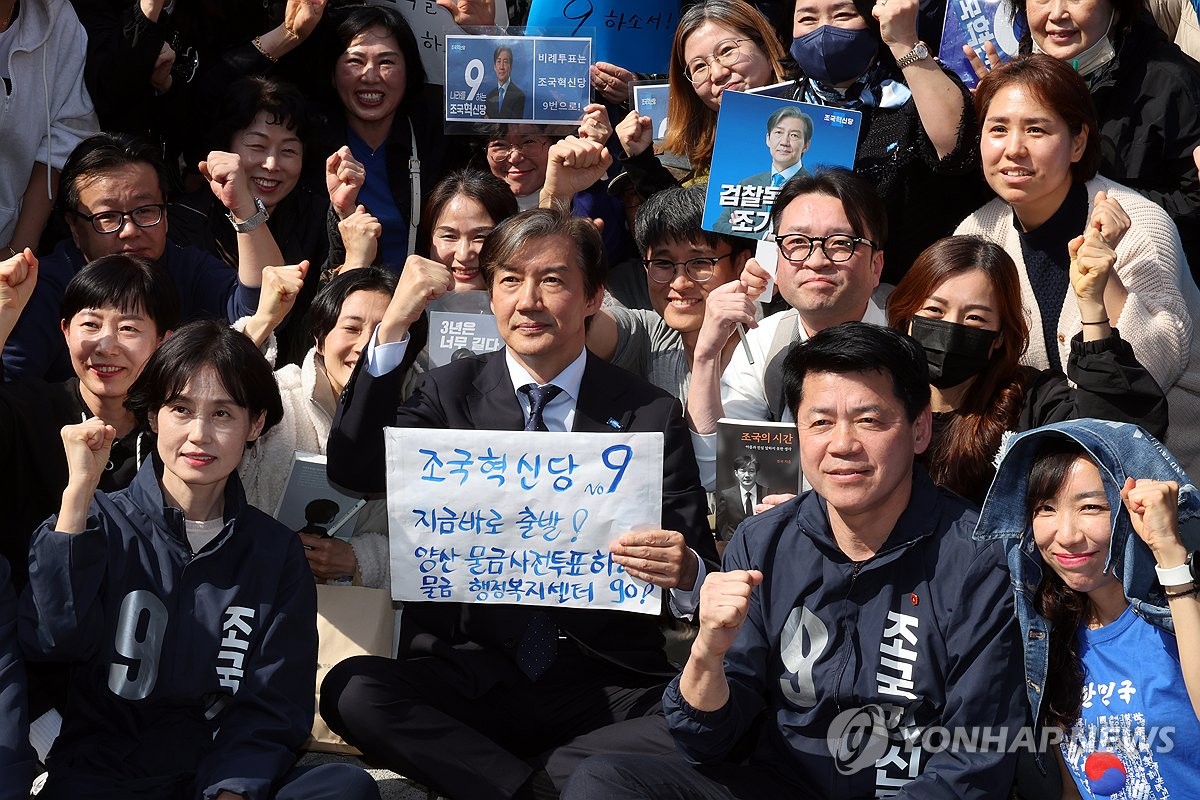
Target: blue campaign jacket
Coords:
[(16, 756), (923, 630), (194, 674), (1121, 450)]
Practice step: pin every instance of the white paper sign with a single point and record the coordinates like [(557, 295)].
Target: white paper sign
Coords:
[(520, 517)]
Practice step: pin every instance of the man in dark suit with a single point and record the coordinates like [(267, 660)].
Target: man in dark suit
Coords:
[(737, 502), (470, 708), (507, 100)]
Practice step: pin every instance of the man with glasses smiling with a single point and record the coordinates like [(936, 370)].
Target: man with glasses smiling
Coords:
[(830, 228), (113, 196), (683, 265)]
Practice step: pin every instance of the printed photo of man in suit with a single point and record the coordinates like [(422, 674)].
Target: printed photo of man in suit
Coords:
[(499, 701), (507, 100), (789, 134), (737, 502)]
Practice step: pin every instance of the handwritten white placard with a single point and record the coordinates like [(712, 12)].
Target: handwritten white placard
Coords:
[(482, 516)]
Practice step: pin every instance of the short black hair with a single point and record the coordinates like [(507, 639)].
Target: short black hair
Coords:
[(105, 152), (743, 461), (539, 223), (240, 366), (502, 49), (283, 103), (786, 112), (675, 214), (361, 18), (860, 200), (327, 305), (861, 347), (128, 284)]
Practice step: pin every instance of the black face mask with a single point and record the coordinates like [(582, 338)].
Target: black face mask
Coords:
[(955, 353)]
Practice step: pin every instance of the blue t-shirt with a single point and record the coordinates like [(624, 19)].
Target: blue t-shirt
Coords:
[(376, 195), (1137, 736)]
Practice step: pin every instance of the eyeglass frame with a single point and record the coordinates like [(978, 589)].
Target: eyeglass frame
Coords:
[(687, 271), (814, 240), (125, 215), (711, 57), (511, 147)]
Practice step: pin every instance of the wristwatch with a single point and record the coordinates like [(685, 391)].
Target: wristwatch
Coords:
[(253, 222), (920, 50), (1177, 576)]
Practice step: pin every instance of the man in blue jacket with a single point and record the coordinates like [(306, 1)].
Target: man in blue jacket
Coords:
[(114, 194), (848, 623)]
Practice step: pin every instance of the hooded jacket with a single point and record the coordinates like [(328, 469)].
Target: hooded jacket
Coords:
[(46, 112), (194, 673), (1121, 451), (920, 635)]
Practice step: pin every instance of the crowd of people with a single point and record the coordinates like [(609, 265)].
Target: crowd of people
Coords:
[(224, 228)]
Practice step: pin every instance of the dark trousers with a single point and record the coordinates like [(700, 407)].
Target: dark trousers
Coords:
[(473, 727), (321, 782), (633, 777)]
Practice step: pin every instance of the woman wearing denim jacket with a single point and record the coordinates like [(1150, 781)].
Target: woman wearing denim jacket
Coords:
[(1112, 629)]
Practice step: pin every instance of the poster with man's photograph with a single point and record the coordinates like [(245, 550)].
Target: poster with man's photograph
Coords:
[(763, 142), (510, 79), (755, 459)]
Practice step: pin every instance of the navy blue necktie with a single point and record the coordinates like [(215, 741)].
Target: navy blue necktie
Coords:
[(539, 398), (539, 642)]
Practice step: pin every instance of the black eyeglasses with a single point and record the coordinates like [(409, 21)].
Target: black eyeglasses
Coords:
[(112, 221), (838, 247), (698, 270)]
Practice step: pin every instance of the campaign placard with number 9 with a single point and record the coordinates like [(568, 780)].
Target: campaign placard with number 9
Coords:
[(473, 75)]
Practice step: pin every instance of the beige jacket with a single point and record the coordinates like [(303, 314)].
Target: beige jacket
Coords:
[(1159, 315)]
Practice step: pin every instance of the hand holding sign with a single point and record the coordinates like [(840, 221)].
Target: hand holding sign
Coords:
[(656, 556), (471, 12), (612, 81)]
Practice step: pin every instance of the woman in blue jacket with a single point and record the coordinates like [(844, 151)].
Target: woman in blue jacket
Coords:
[(1112, 627), (190, 616)]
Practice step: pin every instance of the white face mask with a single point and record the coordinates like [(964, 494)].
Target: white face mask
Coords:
[(1095, 56)]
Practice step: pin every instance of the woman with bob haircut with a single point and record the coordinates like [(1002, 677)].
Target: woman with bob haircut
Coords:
[(1090, 514), (267, 123), (1040, 152), (719, 45), (190, 613), (961, 300), (340, 322)]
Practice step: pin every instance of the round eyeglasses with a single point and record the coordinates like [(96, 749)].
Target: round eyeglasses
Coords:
[(727, 53), (698, 270), (838, 247), (503, 151)]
